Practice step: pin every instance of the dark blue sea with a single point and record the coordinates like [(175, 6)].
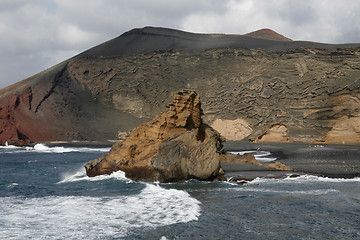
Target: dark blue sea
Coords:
[(45, 194)]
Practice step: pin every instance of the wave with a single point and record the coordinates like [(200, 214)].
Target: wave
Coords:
[(80, 175), (261, 156), (302, 185), (82, 217), (314, 192), (11, 147), (305, 179), (12, 185), (43, 148)]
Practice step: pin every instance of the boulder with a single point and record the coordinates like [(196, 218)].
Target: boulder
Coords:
[(176, 145)]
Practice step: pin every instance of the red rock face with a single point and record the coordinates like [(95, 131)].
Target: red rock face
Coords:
[(11, 128), (54, 106), (268, 34), (17, 123)]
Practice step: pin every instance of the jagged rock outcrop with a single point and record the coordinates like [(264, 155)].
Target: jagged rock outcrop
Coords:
[(309, 90), (175, 146)]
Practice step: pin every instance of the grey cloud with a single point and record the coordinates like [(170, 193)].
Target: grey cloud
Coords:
[(11, 5), (296, 12), (40, 33)]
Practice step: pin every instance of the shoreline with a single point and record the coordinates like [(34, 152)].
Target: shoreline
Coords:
[(334, 161), (328, 160)]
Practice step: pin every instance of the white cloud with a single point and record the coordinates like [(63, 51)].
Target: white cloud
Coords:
[(40, 33), (74, 36), (324, 21)]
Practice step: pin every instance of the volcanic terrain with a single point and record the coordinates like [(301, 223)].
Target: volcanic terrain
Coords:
[(251, 88)]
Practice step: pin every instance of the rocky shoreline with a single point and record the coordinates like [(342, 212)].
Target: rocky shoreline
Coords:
[(343, 163)]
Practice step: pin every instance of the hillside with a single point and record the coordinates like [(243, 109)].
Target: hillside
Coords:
[(251, 88), (268, 34)]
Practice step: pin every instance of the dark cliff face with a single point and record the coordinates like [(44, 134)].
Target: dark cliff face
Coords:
[(275, 91)]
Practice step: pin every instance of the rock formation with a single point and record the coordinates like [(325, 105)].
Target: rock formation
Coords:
[(175, 146), (249, 158), (252, 88)]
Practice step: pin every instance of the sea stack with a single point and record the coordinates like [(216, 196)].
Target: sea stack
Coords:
[(176, 145)]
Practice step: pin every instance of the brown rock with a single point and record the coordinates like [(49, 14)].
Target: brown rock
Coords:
[(250, 158), (276, 133), (232, 130), (175, 146)]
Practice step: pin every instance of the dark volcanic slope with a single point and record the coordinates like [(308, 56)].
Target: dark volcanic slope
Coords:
[(262, 89), (150, 39)]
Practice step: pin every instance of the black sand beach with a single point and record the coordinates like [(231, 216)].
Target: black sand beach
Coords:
[(325, 160)]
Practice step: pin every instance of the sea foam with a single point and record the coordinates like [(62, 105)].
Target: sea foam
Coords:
[(305, 179), (43, 148), (83, 217), (313, 192), (9, 147), (80, 175)]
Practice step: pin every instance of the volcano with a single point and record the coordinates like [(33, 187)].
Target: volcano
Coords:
[(251, 88), (269, 34)]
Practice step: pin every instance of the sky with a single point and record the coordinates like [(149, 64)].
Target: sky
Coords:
[(37, 34)]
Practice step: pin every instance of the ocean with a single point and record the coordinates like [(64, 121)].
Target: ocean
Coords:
[(45, 194)]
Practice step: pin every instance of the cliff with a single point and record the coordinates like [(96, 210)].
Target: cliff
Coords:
[(251, 88)]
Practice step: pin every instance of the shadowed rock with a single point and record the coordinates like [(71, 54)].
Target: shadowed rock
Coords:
[(175, 146)]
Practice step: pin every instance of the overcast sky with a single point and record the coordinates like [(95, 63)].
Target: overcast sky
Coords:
[(38, 34)]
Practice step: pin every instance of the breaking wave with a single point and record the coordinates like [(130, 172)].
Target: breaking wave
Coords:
[(80, 175), (10, 147), (84, 217), (43, 148), (315, 192), (305, 179)]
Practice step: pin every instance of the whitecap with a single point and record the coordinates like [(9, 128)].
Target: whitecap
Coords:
[(315, 192), (80, 175), (313, 178), (12, 185), (82, 217), (43, 148), (304, 179), (9, 147)]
